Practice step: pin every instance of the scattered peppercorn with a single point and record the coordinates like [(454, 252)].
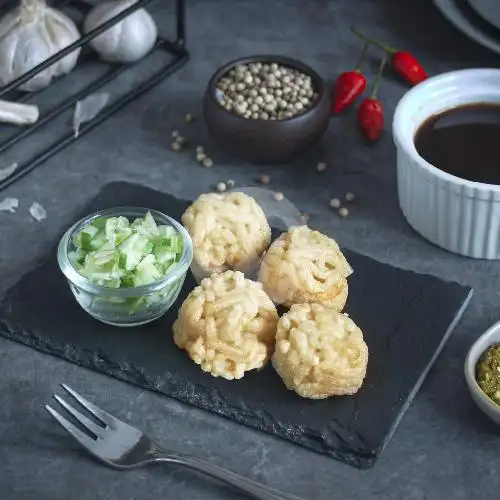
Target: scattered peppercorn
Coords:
[(265, 179), (208, 162), (349, 197), (200, 157), (349, 85), (221, 187), (176, 146), (230, 183), (321, 167), (190, 118), (343, 212), (181, 140), (304, 218), (371, 112), (175, 134), (200, 149), (335, 203), (404, 63), (278, 196)]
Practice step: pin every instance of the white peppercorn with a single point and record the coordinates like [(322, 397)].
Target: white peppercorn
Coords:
[(230, 183), (267, 89), (321, 167), (278, 196), (208, 162), (265, 179), (349, 197), (176, 146), (343, 212), (240, 108), (221, 187), (335, 203)]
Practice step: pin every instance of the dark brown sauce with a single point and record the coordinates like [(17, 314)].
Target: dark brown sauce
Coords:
[(463, 141)]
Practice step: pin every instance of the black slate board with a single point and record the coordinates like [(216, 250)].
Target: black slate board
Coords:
[(406, 318)]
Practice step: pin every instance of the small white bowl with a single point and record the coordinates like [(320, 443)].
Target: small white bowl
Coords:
[(487, 339), (456, 214)]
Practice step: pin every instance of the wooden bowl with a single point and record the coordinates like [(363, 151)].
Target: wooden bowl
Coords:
[(267, 141)]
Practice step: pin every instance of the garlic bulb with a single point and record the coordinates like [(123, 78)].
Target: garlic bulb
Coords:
[(127, 41), (31, 34)]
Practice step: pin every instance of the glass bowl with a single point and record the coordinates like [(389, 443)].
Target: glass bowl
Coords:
[(125, 306)]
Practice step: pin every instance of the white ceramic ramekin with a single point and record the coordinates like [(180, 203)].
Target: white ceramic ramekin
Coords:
[(458, 215)]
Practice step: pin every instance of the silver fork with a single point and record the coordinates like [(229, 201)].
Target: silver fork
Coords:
[(124, 447)]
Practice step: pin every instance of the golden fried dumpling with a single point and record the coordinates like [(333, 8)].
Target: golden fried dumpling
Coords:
[(227, 325), (229, 231), (305, 266), (319, 352)]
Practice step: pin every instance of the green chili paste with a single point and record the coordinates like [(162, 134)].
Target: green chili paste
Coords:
[(488, 373)]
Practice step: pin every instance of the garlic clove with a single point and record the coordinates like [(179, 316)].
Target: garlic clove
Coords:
[(62, 33), (105, 44), (18, 113), (29, 52), (127, 41)]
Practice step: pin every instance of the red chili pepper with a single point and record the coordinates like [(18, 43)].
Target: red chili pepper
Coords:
[(349, 86), (371, 112), (404, 63)]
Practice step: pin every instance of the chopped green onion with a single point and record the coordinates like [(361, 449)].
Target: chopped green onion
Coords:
[(117, 253)]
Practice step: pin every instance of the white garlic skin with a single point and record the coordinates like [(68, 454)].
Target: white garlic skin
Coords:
[(127, 41), (31, 34)]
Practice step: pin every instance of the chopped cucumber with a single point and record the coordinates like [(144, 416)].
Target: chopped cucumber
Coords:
[(117, 253)]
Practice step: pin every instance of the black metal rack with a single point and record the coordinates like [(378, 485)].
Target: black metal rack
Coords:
[(176, 48)]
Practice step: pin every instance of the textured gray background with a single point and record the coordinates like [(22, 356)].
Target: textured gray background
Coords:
[(444, 448)]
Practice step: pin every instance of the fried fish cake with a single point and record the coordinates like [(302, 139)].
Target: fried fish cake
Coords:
[(319, 352), (229, 232), (305, 266), (227, 325)]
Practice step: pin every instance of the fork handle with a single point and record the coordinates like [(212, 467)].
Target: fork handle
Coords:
[(248, 486)]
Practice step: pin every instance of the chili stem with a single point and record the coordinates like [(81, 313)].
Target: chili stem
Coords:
[(374, 41), (361, 57), (378, 78)]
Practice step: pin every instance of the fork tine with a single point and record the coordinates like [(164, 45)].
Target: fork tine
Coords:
[(101, 415), (81, 437), (96, 429)]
